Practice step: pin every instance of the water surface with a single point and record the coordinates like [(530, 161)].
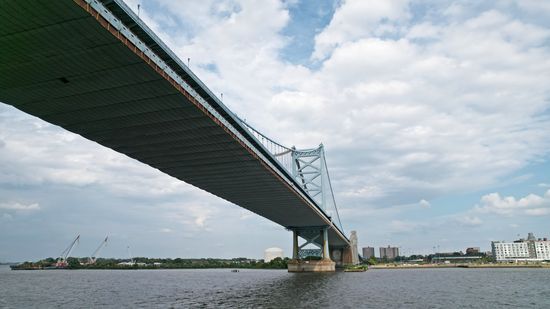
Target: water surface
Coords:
[(219, 288)]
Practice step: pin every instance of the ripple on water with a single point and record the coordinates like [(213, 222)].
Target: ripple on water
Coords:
[(425, 288)]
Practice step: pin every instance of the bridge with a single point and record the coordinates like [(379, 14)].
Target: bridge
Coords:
[(94, 68)]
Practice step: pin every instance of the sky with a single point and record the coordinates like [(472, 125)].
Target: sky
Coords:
[(435, 117)]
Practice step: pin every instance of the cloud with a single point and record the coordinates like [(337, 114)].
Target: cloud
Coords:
[(193, 215), (19, 206), (402, 226), (538, 211), (356, 19), (464, 100), (534, 6), (469, 220), (532, 204), (544, 185), (410, 105), (37, 154), (424, 204), (456, 221)]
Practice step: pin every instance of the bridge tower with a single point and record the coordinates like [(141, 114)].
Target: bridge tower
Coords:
[(309, 170)]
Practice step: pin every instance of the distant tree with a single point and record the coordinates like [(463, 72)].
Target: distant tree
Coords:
[(73, 263), (372, 261)]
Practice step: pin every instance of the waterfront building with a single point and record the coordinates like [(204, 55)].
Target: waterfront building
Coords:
[(530, 249), (272, 253), (389, 252), (368, 252), (457, 259), (472, 251), (542, 249)]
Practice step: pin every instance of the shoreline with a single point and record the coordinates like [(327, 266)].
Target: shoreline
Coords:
[(431, 266)]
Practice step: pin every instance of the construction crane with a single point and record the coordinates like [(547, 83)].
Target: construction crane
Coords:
[(130, 255), (92, 259), (62, 260)]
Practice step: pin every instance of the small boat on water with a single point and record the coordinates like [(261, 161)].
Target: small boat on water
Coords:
[(234, 270)]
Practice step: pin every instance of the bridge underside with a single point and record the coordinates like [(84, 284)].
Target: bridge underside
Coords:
[(63, 65)]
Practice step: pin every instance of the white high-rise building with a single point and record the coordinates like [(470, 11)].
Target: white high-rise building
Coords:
[(542, 249), (510, 250), (529, 249)]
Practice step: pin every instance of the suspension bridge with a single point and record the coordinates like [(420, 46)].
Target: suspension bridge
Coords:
[(94, 68)]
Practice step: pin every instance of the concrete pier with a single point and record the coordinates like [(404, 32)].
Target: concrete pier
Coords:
[(298, 266), (332, 257)]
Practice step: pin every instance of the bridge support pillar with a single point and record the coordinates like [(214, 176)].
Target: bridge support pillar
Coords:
[(326, 254), (295, 248), (311, 260)]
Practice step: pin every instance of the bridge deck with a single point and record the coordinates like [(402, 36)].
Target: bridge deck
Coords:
[(64, 65)]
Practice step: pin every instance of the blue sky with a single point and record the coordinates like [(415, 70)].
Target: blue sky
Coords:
[(434, 115)]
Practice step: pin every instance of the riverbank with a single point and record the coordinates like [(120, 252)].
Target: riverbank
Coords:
[(153, 263), (428, 266)]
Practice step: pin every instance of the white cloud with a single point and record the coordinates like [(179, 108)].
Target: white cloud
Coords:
[(36, 153), (469, 220), (366, 192), (531, 204), (408, 109), (193, 214), (402, 226), (534, 6), (538, 211), (19, 206), (424, 31), (356, 19), (424, 204)]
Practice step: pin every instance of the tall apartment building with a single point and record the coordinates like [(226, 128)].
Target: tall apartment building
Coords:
[(389, 252), (530, 249), (368, 252)]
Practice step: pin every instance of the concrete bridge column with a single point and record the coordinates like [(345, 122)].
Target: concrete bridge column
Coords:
[(295, 248), (326, 254)]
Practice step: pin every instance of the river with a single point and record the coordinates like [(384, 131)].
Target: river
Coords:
[(220, 288)]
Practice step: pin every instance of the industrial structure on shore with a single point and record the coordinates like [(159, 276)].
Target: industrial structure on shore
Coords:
[(272, 253)]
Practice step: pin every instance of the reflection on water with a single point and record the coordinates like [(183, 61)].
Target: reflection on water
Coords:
[(426, 288)]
